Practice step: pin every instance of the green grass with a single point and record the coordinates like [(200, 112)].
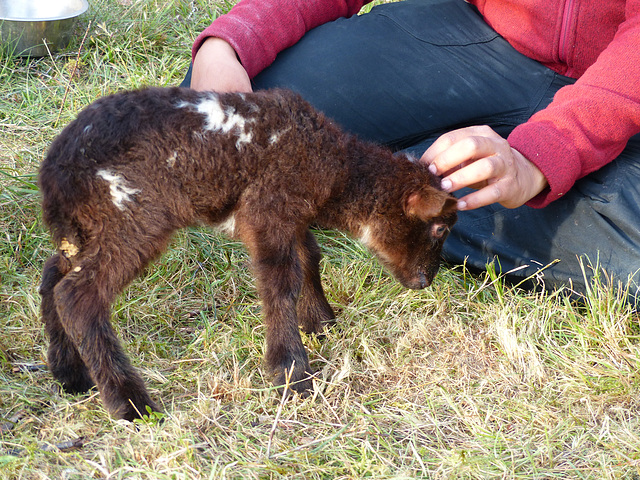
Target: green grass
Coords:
[(468, 379)]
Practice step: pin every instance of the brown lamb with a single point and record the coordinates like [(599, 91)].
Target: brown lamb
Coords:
[(136, 166)]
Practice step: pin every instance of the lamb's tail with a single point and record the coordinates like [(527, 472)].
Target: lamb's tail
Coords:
[(66, 189)]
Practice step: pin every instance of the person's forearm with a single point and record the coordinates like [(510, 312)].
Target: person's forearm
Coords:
[(260, 29), (589, 123), (217, 67)]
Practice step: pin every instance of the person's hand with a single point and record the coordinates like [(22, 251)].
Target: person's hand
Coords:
[(216, 67), (479, 158)]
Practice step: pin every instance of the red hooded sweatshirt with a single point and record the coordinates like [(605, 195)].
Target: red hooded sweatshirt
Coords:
[(595, 41)]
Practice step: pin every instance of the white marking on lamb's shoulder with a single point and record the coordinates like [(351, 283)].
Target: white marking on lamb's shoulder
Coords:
[(367, 238), (228, 225), (120, 193), (87, 129), (171, 161), (365, 235)]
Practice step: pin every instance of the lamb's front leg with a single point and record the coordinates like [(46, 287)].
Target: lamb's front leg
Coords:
[(314, 311), (279, 277)]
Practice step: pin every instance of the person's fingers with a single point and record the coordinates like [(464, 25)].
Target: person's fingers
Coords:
[(476, 174), (492, 193), (463, 142)]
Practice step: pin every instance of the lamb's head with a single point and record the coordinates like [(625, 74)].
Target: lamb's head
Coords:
[(409, 241)]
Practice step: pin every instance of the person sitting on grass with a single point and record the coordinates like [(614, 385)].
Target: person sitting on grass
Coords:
[(529, 110)]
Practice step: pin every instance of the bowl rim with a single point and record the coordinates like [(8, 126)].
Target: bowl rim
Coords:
[(83, 9)]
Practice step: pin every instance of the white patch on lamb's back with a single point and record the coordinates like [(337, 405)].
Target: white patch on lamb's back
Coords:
[(243, 138), (228, 225), (214, 114), (219, 119), (120, 192), (275, 137)]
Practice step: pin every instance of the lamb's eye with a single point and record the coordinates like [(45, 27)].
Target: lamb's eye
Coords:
[(438, 231)]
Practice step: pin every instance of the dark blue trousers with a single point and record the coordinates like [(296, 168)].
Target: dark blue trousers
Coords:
[(407, 72)]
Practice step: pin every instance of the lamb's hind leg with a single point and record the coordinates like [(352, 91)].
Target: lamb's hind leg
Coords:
[(83, 299), (63, 357), (313, 308)]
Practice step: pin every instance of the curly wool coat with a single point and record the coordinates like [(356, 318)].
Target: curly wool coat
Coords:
[(136, 166)]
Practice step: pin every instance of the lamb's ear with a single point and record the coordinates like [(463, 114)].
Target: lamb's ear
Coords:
[(427, 204)]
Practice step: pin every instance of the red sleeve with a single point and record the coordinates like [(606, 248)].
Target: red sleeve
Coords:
[(259, 29), (589, 123)]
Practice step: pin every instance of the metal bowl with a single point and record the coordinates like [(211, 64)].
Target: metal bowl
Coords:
[(26, 25)]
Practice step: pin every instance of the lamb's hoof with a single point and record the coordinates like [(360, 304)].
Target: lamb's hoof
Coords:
[(74, 382), (77, 388), (133, 412), (301, 385), (133, 406)]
